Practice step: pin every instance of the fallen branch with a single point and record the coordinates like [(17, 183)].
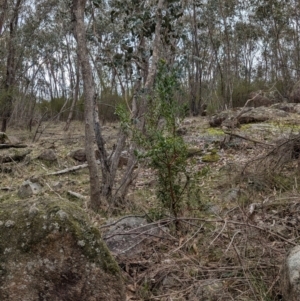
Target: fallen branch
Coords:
[(7, 188), (77, 195), (248, 139), (2, 146), (66, 170), (14, 157)]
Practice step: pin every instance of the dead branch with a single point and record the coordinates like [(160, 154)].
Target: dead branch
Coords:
[(14, 157), (3, 146), (7, 188), (77, 195), (66, 170), (248, 139)]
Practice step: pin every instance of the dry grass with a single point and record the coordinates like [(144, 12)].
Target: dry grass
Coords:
[(232, 240)]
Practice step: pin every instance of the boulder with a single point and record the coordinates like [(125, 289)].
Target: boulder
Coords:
[(128, 237), (261, 114), (295, 94), (285, 106), (48, 155), (50, 251), (29, 188), (257, 99), (290, 281), (233, 118), (80, 156)]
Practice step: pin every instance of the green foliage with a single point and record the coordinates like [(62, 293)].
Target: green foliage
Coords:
[(123, 114), (167, 152)]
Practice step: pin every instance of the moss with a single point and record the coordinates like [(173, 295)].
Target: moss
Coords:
[(194, 151), (215, 131), (287, 125), (212, 157), (245, 127), (26, 225)]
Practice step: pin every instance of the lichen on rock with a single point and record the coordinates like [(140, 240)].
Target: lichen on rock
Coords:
[(50, 251)]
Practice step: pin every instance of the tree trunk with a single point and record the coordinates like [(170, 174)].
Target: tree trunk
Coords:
[(89, 95), (140, 114), (139, 111), (75, 94), (10, 66)]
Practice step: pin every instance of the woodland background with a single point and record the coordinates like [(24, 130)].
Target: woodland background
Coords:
[(225, 49)]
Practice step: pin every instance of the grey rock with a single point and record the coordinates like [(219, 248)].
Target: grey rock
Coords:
[(48, 155), (57, 185), (54, 253), (29, 188), (290, 280), (233, 118), (80, 156), (128, 236)]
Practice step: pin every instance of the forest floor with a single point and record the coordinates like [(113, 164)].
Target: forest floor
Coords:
[(232, 239)]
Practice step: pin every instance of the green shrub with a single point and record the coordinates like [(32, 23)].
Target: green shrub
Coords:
[(167, 151)]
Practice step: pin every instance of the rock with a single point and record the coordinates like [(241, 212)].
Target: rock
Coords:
[(261, 114), (208, 290), (181, 131), (231, 195), (80, 156), (29, 188), (48, 155), (297, 108), (57, 185), (14, 140), (290, 281), (233, 118), (258, 100), (50, 251), (284, 106), (295, 94), (123, 161), (120, 240), (14, 155), (217, 119), (4, 138)]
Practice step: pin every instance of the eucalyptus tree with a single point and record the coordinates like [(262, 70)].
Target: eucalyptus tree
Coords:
[(9, 27), (30, 57), (273, 17), (198, 53)]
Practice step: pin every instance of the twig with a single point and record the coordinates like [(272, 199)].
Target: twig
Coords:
[(54, 191), (244, 270), (237, 223), (124, 217), (200, 228), (231, 241), (225, 223), (136, 234)]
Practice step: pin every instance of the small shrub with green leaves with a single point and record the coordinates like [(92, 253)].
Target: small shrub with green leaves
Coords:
[(167, 151), (164, 150)]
